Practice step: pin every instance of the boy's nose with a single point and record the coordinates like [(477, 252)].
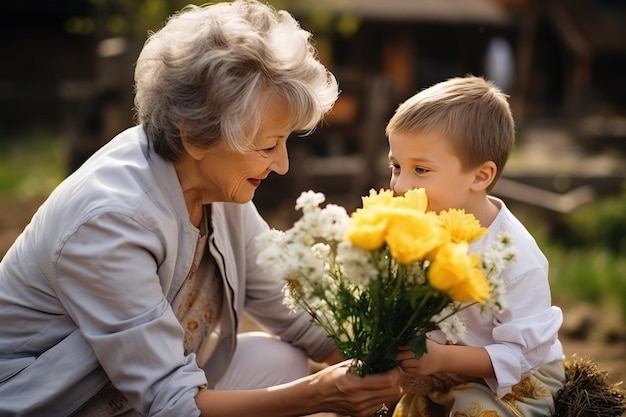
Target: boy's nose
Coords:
[(399, 186)]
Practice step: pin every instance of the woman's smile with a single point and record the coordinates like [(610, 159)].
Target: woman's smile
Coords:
[(255, 183)]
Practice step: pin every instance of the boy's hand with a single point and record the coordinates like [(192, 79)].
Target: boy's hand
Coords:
[(455, 359), (423, 366)]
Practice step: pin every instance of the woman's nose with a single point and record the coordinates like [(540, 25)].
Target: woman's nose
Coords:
[(280, 164)]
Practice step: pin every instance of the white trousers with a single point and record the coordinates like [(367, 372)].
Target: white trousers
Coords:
[(262, 361)]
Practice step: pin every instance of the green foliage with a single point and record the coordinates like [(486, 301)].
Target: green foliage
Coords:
[(602, 222), (135, 18), (586, 254), (124, 18), (389, 312), (30, 165), (594, 274)]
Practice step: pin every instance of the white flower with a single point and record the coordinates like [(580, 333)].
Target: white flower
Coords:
[(302, 263), (355, 264), (496, 257), (273, 260), (273, 252), (452, 328), (307, 228), (365, 300), (271, 237), (333, 222), (309, 200), (289, 300), (321, 250), (415, 273)]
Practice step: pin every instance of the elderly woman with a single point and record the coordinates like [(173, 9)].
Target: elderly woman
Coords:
[(124, 293)]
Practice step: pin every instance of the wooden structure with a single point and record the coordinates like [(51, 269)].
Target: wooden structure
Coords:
[(391, 50), (569, 58), (572, 55)]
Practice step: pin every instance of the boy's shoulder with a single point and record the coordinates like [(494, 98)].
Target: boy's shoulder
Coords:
[(528, 252), (508, 222)]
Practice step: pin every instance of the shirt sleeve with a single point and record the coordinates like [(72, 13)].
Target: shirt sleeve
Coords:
[(525, 332), (106, 278)]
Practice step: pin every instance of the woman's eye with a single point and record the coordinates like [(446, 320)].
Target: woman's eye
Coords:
[(265, 152)]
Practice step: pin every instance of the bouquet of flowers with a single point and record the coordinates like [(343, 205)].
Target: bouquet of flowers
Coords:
[(385, 275)]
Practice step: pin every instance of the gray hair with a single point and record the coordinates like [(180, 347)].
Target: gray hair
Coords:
[(205, 71)]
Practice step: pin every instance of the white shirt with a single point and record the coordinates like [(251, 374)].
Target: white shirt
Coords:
[(524, 336)]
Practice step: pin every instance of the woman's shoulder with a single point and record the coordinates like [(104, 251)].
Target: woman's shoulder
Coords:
[(120, 180)]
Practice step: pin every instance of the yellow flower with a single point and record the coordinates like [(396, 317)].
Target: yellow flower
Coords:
[(456, 272), (396, 273), (461, 226), (412, 234), (414, 199), (380, 198), (367, 228), (475, 288)]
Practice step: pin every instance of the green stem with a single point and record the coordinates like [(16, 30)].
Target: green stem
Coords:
[(455, 311), (416, 312)]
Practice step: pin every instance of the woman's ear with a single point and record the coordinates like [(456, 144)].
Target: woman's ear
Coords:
[(190, 149), (484, 175)]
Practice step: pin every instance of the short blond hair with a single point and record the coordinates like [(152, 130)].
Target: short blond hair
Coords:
[(470, 111)]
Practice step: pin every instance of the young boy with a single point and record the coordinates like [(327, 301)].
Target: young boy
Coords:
[(453, 139)]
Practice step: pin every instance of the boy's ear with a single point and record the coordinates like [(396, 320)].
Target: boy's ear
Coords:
[(484, 175)]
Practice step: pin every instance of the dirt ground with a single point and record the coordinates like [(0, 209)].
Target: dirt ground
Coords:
[(586, 331)]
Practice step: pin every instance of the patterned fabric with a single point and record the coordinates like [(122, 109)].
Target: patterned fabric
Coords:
[(198, 305), (452, 396)]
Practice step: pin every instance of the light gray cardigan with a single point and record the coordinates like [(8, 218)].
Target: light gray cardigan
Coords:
[(85, 290)]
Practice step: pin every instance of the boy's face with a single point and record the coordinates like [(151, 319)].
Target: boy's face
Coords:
[(427, 160)]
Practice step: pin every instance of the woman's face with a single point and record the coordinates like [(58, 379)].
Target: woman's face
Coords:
[(231, 176)]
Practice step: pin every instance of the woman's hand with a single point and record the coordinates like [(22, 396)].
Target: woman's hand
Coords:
[(339, 391), (333, 389)]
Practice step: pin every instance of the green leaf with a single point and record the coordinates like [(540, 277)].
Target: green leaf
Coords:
[(418, 344)]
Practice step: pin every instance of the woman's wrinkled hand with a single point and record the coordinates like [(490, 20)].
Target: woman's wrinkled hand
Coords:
[(342, 392)]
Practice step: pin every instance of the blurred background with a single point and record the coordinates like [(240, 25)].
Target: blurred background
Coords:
[(66, 88)]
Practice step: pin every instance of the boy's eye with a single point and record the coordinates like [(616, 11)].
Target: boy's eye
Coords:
[(421, 170)]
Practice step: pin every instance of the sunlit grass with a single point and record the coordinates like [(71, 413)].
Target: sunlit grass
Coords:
[(592, 275), (30, 165)]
